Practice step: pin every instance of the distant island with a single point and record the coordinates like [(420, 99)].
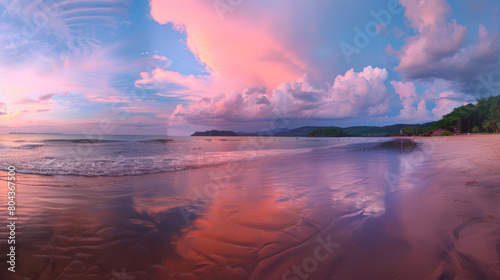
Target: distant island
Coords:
[(215, 133)]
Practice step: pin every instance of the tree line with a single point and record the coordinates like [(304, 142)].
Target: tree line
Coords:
[(484, 116)]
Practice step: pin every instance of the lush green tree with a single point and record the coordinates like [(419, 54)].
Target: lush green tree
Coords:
[(472, 117), (327, 132), (492, 122), (412, 130)]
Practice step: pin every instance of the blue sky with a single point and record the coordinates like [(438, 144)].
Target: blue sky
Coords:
[(168, 67)]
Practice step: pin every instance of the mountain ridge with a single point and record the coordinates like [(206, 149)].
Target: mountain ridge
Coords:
[(352, 131), (303, 131)]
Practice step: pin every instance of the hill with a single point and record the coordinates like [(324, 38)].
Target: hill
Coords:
[(215, 133), (327, 132), (354, 131), (263, 133), (388, 130), (298, 132)]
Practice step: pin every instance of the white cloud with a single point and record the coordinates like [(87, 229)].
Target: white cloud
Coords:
[(352, 94)]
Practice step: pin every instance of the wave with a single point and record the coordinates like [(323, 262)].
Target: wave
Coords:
[(140, 155), (28, 146), (158, 141), (127, 166), (83, 141), (97, 141)]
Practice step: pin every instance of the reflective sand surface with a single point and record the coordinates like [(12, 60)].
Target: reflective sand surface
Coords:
[(364, 211)]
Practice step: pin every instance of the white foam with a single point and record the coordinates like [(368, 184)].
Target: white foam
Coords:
[(142, 156), (122, 166)]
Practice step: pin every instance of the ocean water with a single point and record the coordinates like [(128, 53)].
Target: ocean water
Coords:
[(122, 155)]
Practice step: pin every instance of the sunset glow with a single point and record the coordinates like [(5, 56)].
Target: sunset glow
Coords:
[(180, 66)]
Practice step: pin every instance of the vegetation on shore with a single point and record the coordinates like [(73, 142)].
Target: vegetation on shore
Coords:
[(481, 117), (327, 132), (353, 131), (383, 131), (484, 116)]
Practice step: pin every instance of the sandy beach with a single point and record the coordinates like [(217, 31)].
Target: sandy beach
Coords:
[(370, 212)]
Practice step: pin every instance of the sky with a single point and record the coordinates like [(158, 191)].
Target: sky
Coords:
[(169, 67)]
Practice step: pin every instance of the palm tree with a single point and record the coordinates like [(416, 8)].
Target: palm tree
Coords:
[(492, 123)]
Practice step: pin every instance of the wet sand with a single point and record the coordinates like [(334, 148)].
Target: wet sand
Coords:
[(367, 212)]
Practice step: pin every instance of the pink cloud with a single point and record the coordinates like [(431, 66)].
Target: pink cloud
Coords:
[(47, 96), (426, 13), (448, 101), (243, 48), (159, 57), (445, 101), (390, 50), (250, 104), (43, 98), (406, 90), (185, 85), (408, 95), (75, 50), (29, 89), (438, 51), (189, 87), (353, 94)]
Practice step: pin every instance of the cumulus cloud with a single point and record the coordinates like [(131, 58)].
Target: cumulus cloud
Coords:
[(438, 50), (408, 96), (447, 101), (352, 94), (250, 104), (405, 90)]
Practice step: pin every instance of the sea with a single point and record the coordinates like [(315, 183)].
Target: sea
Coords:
[(124, 155)]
